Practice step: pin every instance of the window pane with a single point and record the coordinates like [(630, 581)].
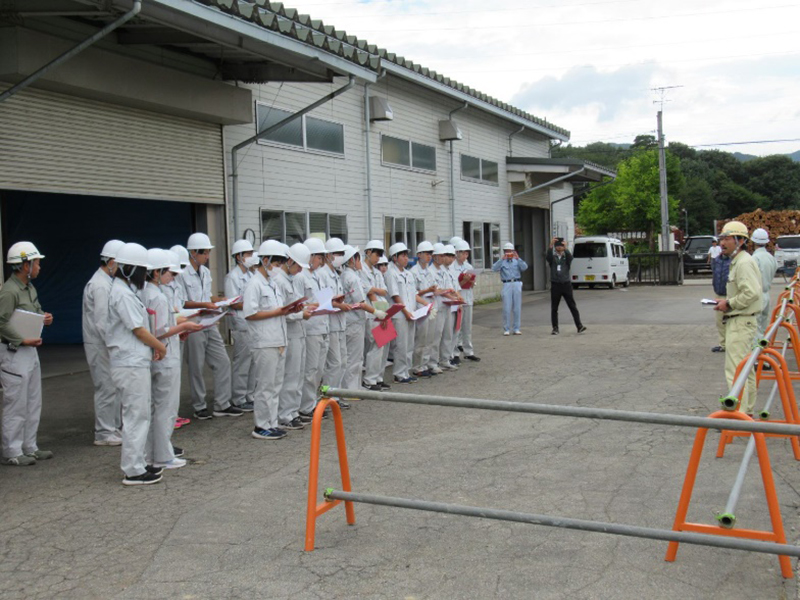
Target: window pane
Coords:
[(420, 231), (291, 133), (424, 157), (489, 172), (324, 135), (395, 151), (495, 243), (318, 225), (470, 167), (295, 228), (399, 231), (477, 245), (388, 230), (271, 225), (338, 224)]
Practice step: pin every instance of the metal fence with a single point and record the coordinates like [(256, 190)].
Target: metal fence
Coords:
[(658, 268)]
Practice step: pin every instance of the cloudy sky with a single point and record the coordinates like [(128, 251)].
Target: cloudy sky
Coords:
[(590, 65)]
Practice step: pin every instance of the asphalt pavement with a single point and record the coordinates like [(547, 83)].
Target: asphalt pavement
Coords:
[(231, 524)]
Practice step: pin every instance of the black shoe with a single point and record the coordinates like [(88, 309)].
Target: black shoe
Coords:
[(231, 411), (342, 404), (305, 417), (202, 415), (421, 374), (473, 358), (145, 478), (461, 348), (581, 329), (555, 331), (455, 360), (372, 388), (178, 452), (154, 470), (718, 349), (385, 386), (296, 423)]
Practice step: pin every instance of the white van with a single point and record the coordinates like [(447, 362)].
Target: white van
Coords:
[(599, 260)]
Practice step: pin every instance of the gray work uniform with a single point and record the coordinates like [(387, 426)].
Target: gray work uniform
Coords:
[(355, 326), (317, 332), (336, 359), (242, 374), (374, 356), (767, 266), (107, 415), (424, 328), (20, 373), (268, 343), (464, 336), (165, 378), (510, 270), (205, 347), (448, 344), (402, 284), (442, 279), (130, 370), (292, 387)]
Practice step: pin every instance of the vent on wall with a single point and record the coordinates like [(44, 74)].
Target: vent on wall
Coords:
[(448, 130), (379, 109)]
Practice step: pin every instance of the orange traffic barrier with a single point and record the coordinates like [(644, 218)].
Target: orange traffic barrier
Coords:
[(776, 535), (790, 411), (314, 510)]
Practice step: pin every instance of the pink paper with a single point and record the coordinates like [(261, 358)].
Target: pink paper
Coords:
[(459, 315), (384, 336)]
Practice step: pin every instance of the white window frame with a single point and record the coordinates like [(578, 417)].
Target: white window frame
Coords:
[(408, 233), (480, 179), (304, 147), (487, 229), (307, 229), (411, 166)]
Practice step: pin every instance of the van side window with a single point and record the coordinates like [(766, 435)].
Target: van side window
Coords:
[(590, 250)]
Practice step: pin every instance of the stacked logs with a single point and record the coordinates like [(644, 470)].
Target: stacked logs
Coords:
[(776, 222)]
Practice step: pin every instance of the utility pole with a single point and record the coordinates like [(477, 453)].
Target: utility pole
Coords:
[(662, 171)]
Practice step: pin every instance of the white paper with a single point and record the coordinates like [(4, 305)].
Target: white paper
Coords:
[(208, 320), (454, 307), (708, 302), (324, 298), (228, 302), (188, 313), (27, 324), (421, 312)]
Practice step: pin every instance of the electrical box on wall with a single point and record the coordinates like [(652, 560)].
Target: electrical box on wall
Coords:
[(379, 109), (448, 130)]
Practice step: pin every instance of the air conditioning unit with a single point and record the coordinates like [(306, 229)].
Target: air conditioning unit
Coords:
[(448, 130), (379, 109)]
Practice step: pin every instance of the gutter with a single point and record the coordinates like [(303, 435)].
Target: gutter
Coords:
[(137, 6), (511, 135), (452, 175), (266, 132)]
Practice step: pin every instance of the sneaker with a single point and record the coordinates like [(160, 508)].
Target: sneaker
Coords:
[(231, 411), (203, 414), (112, 440), (555, 331), (175, 463), (246, 407), (473, 358), (40, 454), (180, 422), (145, 478), (448, 366), (421, 374), (305, 417), (581, 329), (268, 434), (384, 386), (154, 470), (342, 404), (506, 333), (18, 461), (436, 370), (413, 379), (455, 360), (718, 349), (402, 380), (461, 348), (295, 423), (178, 452), (517, 332), (372, 388)]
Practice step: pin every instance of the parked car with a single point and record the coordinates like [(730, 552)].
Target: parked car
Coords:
[(599, 260), (787, 251), (695, 253)]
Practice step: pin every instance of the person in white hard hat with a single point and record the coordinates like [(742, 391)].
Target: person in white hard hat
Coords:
[(20, 372), (374, 356), (131, 349), (447, 345), (466, 281), (174, 293), (438, 317), (165, 374), (107, 416), (402, 290), (336, 359), (289, 280), (242, 376), (510, 266), (265, 309), (317, 330), (768, 267), (205, 347), (424, 328)]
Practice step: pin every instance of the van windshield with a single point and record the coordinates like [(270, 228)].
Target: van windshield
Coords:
[(789, 243), (590, 250), (698, 245)]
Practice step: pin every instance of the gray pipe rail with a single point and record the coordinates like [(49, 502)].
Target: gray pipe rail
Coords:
[(666, 535)]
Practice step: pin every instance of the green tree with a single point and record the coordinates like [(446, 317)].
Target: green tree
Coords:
[(776, 178)]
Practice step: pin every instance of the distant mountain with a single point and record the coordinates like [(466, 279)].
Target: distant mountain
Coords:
[(795, 156)]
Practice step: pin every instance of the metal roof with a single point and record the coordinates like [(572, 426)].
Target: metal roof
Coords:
[(566, 163)]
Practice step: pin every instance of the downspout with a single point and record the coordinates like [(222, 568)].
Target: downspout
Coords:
[(367, 159), (533, 189), (137, 6), (511, 135), (266, 132), (452, 176)]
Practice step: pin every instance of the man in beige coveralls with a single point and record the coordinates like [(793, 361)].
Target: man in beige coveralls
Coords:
[(740, 308)]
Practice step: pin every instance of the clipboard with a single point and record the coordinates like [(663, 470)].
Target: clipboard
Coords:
[(384, 335), (466, 280), (393, 310), (293, 305), (27, 324)]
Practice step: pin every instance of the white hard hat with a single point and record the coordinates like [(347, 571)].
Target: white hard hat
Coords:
[(424, 247), (315, 246), (508, 246), (22, 251), (174, 262), (397, 248), (156, 259), (438, 248), (383, 260), (461, 246), (183, 254), (350, 252), (111, 248), (374, 245), (334, 245), (454, 240), (240, 246), (199, 241), (449, 249), (272, 248), (760, 237), (134, 255), (300, 254)]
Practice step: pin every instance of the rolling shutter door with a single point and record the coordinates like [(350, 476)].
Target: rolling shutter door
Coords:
[(58, 143)]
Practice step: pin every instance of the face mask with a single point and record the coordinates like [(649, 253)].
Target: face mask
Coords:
[(337, 262), (273, 270), (250, 262)]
